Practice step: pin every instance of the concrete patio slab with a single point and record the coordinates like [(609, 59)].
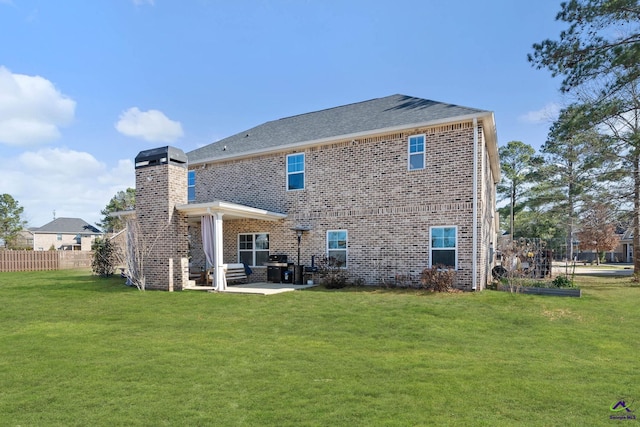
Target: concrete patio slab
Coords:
[(264, 288)]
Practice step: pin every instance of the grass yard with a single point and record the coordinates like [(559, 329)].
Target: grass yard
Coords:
[(77, 350)]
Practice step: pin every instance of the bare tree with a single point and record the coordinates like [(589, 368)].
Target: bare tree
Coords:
[(598, 230), (135, 250)]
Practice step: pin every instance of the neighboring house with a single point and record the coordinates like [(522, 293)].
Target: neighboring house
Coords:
[(388, 186), (73, 234), (23, 240), (624, 251)]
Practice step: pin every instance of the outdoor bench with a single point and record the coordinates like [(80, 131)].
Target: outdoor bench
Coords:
[(232, 273)]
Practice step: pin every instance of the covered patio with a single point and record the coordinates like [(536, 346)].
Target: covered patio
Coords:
[(211, 216)]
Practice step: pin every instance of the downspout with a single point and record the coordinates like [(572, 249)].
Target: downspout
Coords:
[(474, 244)]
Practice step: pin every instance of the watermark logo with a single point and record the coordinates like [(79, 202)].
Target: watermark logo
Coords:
[(622, 409), (620, 405)]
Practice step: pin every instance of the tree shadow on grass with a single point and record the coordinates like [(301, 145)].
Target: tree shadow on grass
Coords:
[(606, 282), (90, 283), (365, 289), (371, 289)]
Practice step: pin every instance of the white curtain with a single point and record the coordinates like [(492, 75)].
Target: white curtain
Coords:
[(208, 240)]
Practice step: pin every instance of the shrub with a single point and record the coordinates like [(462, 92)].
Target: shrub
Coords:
[(438, 278), (332, 274), (562, 281), (104, 257)]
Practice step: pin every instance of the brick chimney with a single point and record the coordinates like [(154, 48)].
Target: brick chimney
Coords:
[(161, 184)]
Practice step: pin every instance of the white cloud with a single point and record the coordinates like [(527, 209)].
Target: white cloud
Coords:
[(31, 109), (73, 183), (546, 114), (150, 125)]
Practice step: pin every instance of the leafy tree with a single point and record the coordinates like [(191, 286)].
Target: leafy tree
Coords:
[(537, 223), (601, 49), (602, 41), (621, 119), (598, 231), (11, 222), (575, 158), (122, 201), (519, 163)]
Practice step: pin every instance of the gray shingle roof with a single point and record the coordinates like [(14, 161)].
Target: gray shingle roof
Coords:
[(366, 116), (67, 225)]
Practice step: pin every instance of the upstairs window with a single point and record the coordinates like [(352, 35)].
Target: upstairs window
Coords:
[(444, 247), (191, 186), (295, 171), (416, 152)]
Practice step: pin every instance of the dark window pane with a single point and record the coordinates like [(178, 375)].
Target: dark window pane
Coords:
[(246, 257), (246, 241), (296, 181), (339, 257), (261, 257), (446, 258)]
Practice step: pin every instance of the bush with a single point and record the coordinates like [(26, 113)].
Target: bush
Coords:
[(104, 257), (562, 281), (332, 274), (438, 278)]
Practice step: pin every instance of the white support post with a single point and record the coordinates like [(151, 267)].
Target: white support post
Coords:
[(218, 278)]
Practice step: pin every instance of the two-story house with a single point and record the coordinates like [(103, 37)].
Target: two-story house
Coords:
[(74, 234), (388, 187)]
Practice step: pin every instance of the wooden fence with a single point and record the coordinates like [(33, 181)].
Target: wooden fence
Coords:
[(44, 260)]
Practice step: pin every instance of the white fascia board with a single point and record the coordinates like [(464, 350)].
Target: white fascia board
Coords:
[(356, 135), (491, 140), (228, 208)]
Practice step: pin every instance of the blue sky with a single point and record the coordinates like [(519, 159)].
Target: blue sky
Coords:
[(86, 85)]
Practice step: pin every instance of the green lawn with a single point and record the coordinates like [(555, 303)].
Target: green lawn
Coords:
[(76, 350)]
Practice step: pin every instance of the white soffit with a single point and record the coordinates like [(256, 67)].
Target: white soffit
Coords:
[(229, 210)]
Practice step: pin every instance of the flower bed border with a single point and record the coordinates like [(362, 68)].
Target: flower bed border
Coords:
[(561, 292)]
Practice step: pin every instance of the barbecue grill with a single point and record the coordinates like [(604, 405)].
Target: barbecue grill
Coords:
[(278, 269)]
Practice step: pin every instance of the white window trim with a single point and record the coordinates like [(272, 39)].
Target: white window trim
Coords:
[(253, 251), (431, 248), (303, 172), (424, 151), (346, 250)]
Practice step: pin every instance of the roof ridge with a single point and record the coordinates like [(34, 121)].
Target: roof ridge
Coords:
[(388, 112)]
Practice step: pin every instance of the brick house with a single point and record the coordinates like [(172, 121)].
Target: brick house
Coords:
[(388, 186), (73, 234)]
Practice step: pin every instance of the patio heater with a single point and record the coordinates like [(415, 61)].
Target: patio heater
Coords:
[(297, 278)]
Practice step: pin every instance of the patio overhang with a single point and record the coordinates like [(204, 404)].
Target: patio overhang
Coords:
[(228, 210)]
